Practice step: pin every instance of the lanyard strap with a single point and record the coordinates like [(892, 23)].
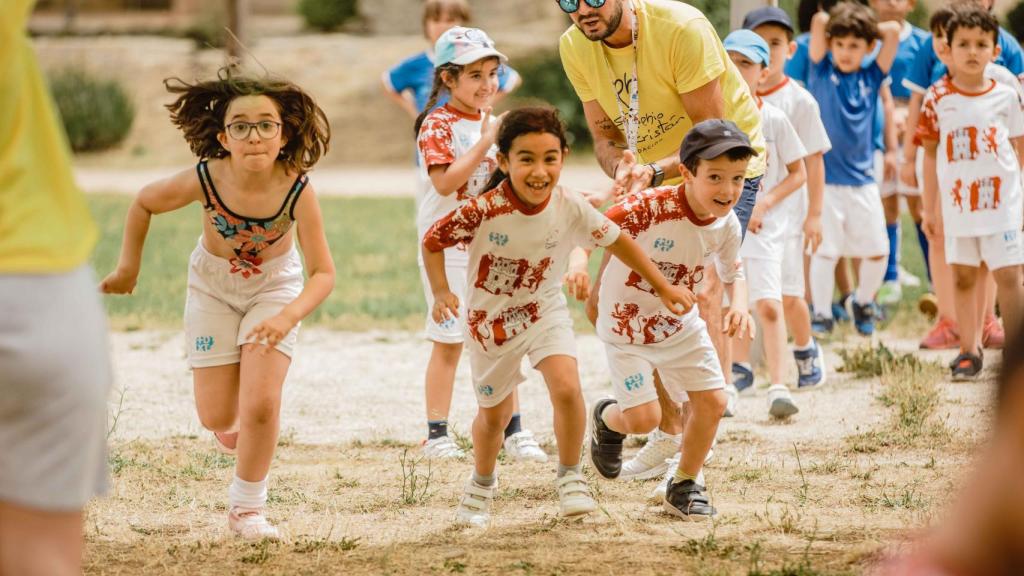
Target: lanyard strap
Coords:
[(630, 118)]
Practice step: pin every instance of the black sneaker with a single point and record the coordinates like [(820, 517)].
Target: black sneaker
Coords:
[(605, 443), (686, 500), (965, 367)]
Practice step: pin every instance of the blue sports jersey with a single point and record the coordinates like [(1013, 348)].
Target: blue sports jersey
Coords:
[(848, 105), (927, 68), (416, 73)]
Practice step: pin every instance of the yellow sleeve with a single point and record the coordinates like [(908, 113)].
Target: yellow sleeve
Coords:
[(697, 55), (570, 63)]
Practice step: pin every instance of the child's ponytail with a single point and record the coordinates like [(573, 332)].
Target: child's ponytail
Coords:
[(497, 177), (435, 93)]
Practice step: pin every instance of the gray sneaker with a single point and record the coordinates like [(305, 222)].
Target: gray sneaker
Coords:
[(780, 402)]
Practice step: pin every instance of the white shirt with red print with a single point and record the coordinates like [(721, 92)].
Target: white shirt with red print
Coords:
[(681, 245), (447, 134), (979, 174), (517, 258)]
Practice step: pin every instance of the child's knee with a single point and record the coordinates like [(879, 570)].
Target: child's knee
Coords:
[(496, 417), (709, 403), (643, 418), (262, 411), (217, 420), (964, 278), (769, 310), (565, 388), (1008, 278)]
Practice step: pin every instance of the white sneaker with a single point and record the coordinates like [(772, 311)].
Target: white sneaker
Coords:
[(522, 446), (442, 447), (780, 402), (649, 462), (251, 524), (906, 278), (475, 505), (732, 395), (658, 493), (574, 495)]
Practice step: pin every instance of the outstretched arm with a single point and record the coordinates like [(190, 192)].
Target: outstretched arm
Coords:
[(677, 299)]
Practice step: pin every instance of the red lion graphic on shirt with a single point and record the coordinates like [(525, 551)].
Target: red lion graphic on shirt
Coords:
[(631, 324)]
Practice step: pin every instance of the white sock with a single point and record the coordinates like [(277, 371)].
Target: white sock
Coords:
[(823, 283), (805, 347), (872, 272), (743, 364), (247, 494)]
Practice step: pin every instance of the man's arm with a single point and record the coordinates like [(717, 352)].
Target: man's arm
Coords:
[(609, 142)]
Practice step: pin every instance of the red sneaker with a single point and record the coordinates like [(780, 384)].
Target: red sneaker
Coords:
[(226, 442), (992, 334), (943, 336)]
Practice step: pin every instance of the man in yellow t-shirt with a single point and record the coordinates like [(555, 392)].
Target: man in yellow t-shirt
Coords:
[(646, 72), (683, 76), (54, 359)]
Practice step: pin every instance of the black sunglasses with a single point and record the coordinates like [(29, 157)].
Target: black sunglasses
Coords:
[(570, 6)]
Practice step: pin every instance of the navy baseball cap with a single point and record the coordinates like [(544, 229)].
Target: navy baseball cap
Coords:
[(712, 138), (768, 15)]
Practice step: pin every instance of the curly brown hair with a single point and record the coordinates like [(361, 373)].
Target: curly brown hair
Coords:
[(852, 19), (200, 109)]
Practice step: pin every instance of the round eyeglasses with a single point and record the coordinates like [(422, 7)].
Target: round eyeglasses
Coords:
[(266, 129), (570, 6)]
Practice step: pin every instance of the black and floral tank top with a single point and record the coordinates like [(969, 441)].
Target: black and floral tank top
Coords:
[(248, 237)]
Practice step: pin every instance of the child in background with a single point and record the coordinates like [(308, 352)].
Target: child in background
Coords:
[(456, 157), (911, 40), (804, 207), (256, 140), (679, 228), (846, 87), (410, 82), (972, 128), (519, 236), (763, 247)]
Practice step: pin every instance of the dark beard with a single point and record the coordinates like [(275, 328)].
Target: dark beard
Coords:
[(613, 25)]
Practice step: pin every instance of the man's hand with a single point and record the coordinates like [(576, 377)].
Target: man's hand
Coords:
[(631, 177)]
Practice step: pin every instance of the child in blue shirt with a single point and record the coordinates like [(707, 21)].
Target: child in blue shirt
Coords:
[(846, 87), (409, 82)]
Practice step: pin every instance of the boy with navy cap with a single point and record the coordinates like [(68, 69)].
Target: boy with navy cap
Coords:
[(804, 207), (762, 249), (681, 228)]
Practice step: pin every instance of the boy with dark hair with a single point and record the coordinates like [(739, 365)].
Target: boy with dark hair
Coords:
[(846, 87), (972, 181)]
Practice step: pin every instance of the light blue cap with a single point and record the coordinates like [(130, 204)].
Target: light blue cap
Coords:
[(749, 44), (463, 46)]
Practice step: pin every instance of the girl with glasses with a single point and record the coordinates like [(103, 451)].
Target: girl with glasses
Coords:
[(256, 140)]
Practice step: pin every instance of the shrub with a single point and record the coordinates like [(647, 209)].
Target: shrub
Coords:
[(97, 114), (544, 80), (327, 15)]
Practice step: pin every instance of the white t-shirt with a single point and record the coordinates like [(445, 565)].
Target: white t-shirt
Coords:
[(804, 114), (447, 134), (979, 174), (663, 223), (783, 147), (517, 258)]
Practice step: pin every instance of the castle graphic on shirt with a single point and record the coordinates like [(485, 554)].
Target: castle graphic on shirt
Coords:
[(677, 274), (506, 325), (499, 275), (648, 329)]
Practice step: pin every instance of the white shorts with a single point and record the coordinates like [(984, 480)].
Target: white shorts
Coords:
[(853, 222), (997, 251), (222, 307), (54, 378), (495, 375), (793, 266), (686, 362), (764, 279), (452, 330), (892, 187)]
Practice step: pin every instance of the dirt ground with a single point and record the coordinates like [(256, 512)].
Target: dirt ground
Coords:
[(824, 493)]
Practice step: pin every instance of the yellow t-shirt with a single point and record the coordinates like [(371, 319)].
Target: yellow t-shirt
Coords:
[(45, 225), (678, 51)]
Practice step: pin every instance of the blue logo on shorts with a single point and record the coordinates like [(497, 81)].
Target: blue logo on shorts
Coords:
[(204, 343), (634, 382), (1010, 236), (447, 323), (498, 238), (664, 244), (485, 390)]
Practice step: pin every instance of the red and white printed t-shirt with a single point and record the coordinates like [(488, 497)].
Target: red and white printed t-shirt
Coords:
[(979, 174), (517, 258), (447, 134), (783, 147), (804, 114), (680, 244)]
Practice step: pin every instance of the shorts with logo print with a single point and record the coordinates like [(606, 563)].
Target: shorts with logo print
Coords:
[(497, 373), (686, 362), (853, 222), (793, 266), (997, 251), (452, 330), (222, 307)]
